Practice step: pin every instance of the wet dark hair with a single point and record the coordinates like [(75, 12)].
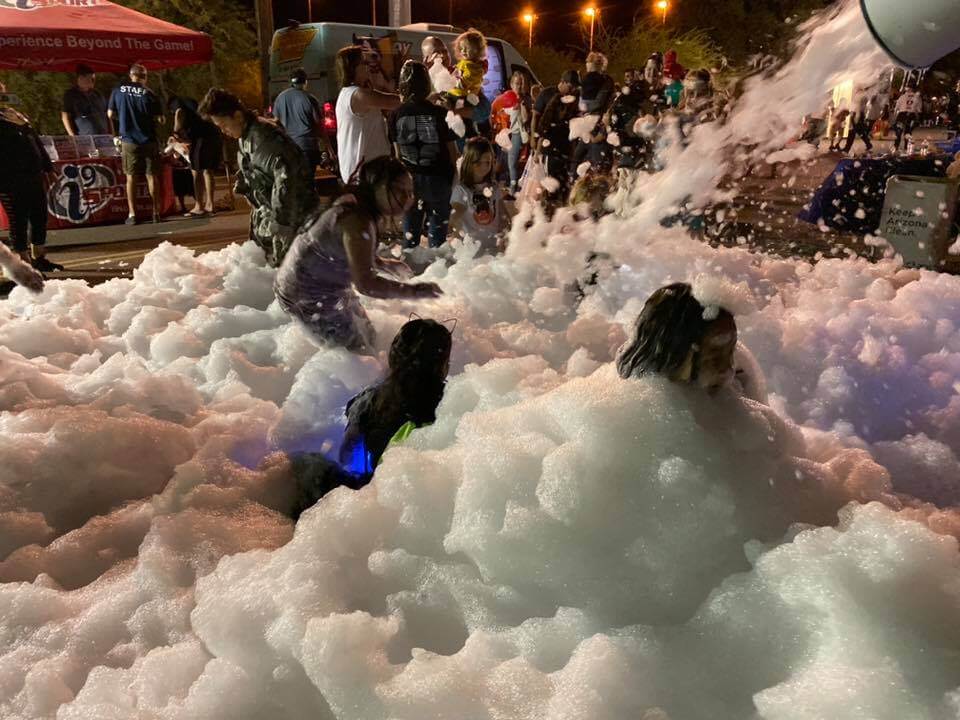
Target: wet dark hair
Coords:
[(411, 392), (419, 360), (422, 348), (414, 81), (669, 326), (378, 171)]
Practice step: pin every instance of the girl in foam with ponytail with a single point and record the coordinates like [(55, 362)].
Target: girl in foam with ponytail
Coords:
[(680, 338)]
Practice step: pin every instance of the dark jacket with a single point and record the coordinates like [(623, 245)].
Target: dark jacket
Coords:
[(24, 157), (369, 432), (278, 181), (376, 415)]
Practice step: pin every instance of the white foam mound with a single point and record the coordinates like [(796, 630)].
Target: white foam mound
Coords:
[(560, 544), (714, 292)]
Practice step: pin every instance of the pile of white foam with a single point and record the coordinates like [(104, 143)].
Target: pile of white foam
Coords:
[(560, 544)]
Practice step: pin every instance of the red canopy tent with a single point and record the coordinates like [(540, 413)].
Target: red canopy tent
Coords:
[(59, 34)]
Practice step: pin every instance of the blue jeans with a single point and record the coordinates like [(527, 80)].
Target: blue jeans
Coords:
[(513, 159), (432, 203)]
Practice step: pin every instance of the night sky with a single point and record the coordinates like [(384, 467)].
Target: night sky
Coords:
[(558, 18)]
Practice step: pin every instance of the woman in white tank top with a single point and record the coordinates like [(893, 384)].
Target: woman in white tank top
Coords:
[(361, 130)]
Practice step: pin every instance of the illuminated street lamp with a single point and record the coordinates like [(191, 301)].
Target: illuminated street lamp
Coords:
[(591, 12), (529, 18), (663, 6)]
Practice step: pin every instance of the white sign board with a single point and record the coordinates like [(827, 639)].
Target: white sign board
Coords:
[(917, 216)]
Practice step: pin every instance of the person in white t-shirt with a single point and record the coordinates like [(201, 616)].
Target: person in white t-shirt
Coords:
[(476, 202), (906, 113), (361, 129)]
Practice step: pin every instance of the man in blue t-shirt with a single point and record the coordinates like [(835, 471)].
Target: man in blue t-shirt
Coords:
[(301, 116), (136, 111)]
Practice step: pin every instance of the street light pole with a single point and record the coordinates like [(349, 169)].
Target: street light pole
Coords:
[(591, 12), (663, 6), (373, 5), (529, 18)]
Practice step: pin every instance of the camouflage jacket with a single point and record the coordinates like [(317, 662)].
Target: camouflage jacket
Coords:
[(277, 180)]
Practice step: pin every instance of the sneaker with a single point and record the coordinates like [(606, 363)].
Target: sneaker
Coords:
[(45, 264), (131, 220)]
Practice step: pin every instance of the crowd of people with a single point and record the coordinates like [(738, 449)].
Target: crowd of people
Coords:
[(433, 156), (436, 158), (134, 114), (875, 111), (442, 162)]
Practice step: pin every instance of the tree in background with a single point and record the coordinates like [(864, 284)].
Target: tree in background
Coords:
[(623, 49), (742, 28), (234, 65), (632, 48)]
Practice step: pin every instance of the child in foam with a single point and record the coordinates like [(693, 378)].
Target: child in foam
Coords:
[(689, 342), (589, 195), (477, 205), (335, 258), (382, 415), (406, 399)]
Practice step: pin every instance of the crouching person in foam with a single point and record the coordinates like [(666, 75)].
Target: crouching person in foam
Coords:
[(19, 271), (335, 259), (406, 399), (693, 344), (383, 414), (687, 342)]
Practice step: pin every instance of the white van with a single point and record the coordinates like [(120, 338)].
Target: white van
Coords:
[(313, 47)]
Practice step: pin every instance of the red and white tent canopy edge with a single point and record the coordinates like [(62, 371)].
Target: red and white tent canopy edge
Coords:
[(59, 34)]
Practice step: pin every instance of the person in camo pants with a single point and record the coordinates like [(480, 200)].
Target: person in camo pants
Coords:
[(275, 175)]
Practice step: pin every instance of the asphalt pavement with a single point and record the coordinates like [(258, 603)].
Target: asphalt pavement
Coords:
[(100, 253)]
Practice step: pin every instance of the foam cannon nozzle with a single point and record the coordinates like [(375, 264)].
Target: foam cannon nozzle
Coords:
[(915, 33)]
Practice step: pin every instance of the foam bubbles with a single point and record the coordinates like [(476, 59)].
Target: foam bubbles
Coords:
[(561, 543)]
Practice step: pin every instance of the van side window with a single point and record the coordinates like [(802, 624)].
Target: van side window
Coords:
[(495, 81)]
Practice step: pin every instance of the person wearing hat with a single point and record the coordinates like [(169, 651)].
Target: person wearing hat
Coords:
[(301, 116), (569, 85), (673, 75)]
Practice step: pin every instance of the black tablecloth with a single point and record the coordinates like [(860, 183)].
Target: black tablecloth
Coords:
[(851, 197)]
